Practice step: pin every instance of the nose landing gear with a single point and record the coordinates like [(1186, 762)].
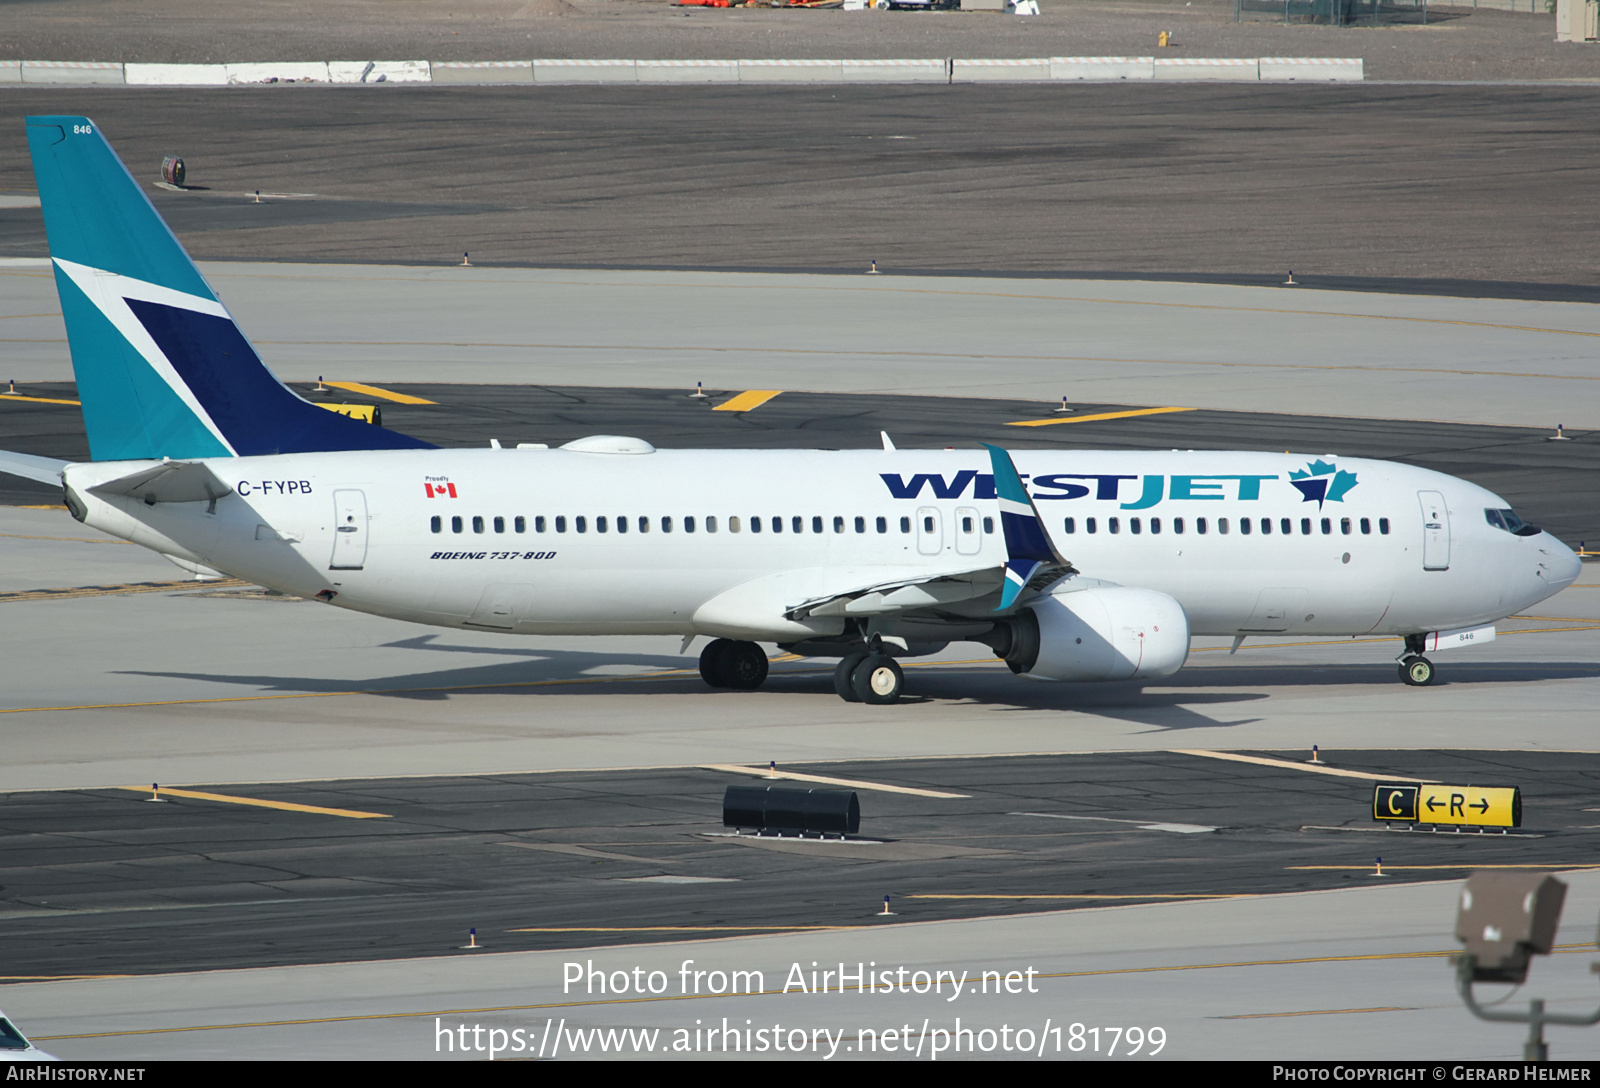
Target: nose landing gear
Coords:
[(1415, 669)]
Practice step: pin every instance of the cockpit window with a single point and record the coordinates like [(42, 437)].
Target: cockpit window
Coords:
[(10, 1037), (1508, 520)]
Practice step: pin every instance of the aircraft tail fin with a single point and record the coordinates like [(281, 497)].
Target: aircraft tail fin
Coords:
[(162, 369)]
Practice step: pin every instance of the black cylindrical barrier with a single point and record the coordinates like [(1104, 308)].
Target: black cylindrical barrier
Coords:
[(172, 170), (772, 808)]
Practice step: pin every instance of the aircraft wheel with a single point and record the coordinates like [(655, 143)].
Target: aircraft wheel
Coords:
[(878, 680), (743, 666), (1416, 671), (711, 668), (844, 674)]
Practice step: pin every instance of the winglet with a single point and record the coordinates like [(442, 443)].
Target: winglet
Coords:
[(1028, 546)]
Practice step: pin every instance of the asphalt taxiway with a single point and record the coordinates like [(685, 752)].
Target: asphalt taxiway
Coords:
[(589, 756)]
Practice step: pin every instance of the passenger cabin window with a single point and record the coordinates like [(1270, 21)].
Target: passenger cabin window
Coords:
[(905, 525), (1134, 527), (622, 523), (688, 524), (1366, 526), (816, 525), (1266, 526), (1088, 525), (733, 524), (1327, 526), (599, 524), (1113, 525), (666, 523), (581, 523), (644, 524), (797, 523), (455, 525), (861, 525), (1200, 526), (1069, 525), (1155, 526), (1305, 526), (1344, 526), (927, 524), (988, 525), (1383, 526), (1222, 526), (755, 525), (477, 524), (777, 525), (1244, 526), (883, 525), (711, 523), (520, 524), (538, 524), (561, 524), (1177, 526), (499, 525), (436, 524), (1286, 526)]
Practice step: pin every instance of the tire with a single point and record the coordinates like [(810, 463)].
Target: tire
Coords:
[(743, 666), (711, 667), (1417, 671), (878, 680), (844, 674)]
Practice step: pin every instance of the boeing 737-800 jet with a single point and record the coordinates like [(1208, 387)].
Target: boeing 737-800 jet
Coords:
[(1070, 565)]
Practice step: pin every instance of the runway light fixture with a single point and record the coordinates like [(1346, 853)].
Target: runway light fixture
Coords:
[(1505, 919)]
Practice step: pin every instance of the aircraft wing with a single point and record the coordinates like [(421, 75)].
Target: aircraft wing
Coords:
[(1032, 563), (981, 585), (44, 470)]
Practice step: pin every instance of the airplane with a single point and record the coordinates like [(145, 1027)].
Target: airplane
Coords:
[(1068, 564)]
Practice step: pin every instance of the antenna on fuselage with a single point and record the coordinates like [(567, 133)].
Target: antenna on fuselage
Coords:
[(888, 443)]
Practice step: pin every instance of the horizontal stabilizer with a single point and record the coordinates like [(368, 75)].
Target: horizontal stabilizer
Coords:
[(170, 481), (46, 470)]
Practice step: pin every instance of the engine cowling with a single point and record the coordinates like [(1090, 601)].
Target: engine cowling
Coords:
[(1109, 633)]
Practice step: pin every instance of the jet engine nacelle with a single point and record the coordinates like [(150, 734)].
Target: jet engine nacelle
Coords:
[(1112, 633)]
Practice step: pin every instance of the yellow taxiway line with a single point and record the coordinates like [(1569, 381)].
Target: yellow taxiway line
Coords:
[(71, 592), (37, 400), (750, 398), (821, 780), (381, 394), (1287, 765), (286, 806), (1099, 415)]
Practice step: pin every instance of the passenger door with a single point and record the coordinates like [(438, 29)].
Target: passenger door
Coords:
[(1435, 531), (349, 530)]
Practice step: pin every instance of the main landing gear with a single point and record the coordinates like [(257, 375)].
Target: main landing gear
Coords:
[(1415, 669), (729, 664), (872, 678)]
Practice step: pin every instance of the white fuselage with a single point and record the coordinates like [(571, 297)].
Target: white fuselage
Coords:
[(559, 541)]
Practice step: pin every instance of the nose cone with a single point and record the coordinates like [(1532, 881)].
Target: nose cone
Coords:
[(1559, 565)]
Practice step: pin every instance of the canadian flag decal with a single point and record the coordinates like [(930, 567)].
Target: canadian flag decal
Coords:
[(439, 491)]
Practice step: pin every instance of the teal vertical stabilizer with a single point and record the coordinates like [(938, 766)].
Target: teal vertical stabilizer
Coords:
[(162, 369)]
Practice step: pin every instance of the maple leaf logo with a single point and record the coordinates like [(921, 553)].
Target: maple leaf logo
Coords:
[(1321, 482)]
